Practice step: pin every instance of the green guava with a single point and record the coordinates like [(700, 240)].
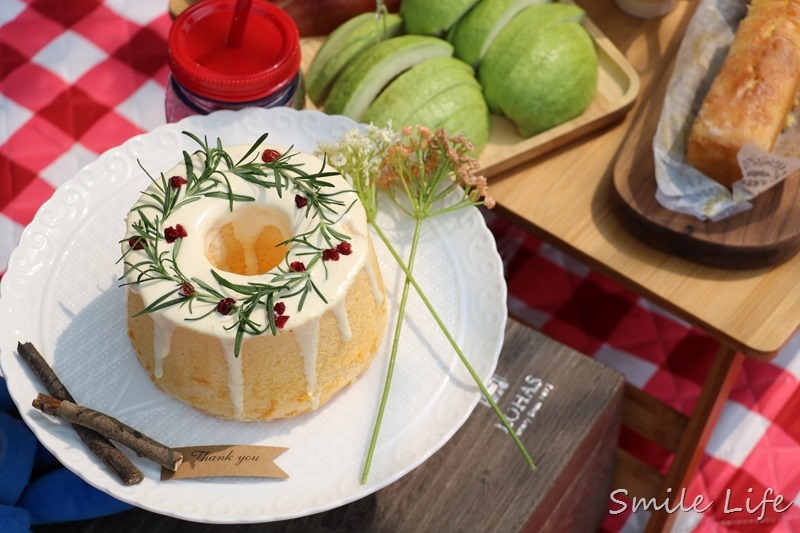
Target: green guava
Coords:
[(414, 87), (433, 17), (342, 45), (474, 32), (541, 69), (371, 70), (440, 92)]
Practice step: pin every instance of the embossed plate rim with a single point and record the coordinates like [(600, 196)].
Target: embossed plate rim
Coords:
[(33, 307)]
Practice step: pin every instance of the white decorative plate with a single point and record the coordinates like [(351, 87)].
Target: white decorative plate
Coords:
[(61, 292)]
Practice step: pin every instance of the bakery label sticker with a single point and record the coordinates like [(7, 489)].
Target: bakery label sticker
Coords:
[(227, 460)]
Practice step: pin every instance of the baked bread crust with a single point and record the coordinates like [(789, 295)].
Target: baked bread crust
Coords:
[(753, 93)]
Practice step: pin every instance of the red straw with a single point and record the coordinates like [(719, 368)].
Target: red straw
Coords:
[(240, 14)]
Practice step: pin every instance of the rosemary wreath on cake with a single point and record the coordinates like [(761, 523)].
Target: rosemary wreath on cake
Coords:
[(158, 246)]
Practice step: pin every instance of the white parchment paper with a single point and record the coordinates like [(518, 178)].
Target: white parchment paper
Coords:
[(682, 188)]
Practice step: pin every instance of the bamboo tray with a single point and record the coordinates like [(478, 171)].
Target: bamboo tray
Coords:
[(618, 87)]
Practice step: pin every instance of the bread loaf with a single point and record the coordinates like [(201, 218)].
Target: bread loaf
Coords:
[(752, 94)]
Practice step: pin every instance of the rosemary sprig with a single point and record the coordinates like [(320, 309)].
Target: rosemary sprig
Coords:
[(150, 257)]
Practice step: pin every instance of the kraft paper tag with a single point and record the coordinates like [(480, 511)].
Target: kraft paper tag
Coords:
[(227, 460)]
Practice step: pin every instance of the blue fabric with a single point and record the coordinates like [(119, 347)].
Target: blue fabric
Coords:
[(34, 488)]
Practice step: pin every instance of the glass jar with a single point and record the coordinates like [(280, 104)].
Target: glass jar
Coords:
[(208, 74)]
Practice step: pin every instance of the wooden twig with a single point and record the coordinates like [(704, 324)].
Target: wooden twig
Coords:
[(110, 428), (103, 448)]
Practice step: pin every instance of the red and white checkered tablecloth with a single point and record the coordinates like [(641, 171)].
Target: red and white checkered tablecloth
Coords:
[(78, 77)]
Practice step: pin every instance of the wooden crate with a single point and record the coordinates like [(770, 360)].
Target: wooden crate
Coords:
[(568, 410)]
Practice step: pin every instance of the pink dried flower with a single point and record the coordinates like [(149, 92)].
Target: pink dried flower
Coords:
[(422, 163)]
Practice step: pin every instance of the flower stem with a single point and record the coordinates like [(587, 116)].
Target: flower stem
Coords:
[(410, 279), (393, 356)]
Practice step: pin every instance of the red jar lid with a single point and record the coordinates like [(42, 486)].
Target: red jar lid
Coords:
[(267, 60)]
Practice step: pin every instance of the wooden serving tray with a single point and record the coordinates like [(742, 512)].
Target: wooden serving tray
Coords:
[(618, 87), (617, 90), (766, 235)]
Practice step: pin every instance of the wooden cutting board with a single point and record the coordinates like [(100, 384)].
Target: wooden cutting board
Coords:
[(766, 235)]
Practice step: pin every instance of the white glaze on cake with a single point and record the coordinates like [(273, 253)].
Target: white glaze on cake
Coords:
[(203, 217)]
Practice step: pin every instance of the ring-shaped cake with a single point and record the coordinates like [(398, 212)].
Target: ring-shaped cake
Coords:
[(254, 291)]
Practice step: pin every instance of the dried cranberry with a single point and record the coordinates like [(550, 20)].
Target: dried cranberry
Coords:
[(225, 306), (300, 201), (177, 181), (187, 289), (280, 320), (269, 155), (137, 243), (297, 266), (280, 308), (171, 234), (330, 255), (344, 248)]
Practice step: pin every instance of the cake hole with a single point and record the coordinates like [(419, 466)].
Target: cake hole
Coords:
[(247, 242)]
